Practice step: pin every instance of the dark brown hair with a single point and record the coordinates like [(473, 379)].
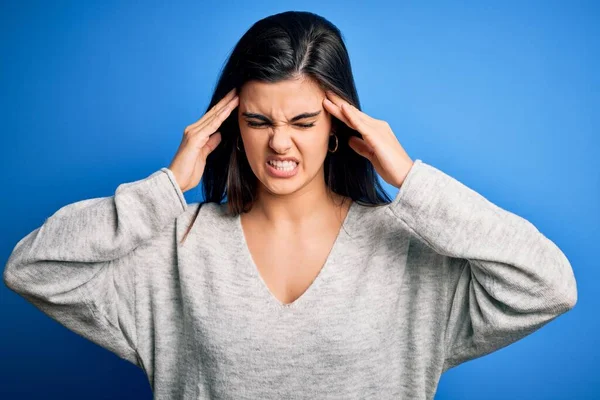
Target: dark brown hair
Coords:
[(282, 46)]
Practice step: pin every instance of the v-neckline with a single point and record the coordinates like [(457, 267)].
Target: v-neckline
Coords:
[(258, 279)]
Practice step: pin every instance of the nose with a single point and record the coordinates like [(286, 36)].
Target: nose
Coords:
[(280, 141)]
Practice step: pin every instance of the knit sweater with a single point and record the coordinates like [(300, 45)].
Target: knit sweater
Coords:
[(409, 289)]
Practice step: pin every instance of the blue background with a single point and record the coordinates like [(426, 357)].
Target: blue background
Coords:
[(503, 96)]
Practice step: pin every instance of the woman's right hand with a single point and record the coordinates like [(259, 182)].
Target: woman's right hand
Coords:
[(199, 140)]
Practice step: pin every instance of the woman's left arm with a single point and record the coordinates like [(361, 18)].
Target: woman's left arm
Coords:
[(511, 279), (504, 278)]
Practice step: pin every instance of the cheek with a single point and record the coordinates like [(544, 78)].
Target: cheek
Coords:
[(312, 142), (255, 147), (321, 141), (312, 150)]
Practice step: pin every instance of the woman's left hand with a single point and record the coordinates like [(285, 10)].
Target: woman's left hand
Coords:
[(379, 144)]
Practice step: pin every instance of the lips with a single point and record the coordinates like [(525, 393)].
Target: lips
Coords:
[(281, 173)]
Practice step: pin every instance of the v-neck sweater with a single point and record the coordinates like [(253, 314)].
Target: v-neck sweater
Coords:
[(435, 278)]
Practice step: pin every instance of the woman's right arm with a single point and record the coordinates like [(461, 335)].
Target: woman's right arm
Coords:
[(79, 267)]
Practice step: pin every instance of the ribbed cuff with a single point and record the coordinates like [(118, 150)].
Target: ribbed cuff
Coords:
[(413, 190), (178, 190), (163, 196)]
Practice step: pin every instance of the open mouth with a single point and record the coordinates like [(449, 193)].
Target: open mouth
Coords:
[(283, 165), (282, 169)]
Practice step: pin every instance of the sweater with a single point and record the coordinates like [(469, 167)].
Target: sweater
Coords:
[(410, 289)]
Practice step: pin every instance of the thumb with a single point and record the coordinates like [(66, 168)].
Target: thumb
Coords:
[(358, 145), (211, 144)]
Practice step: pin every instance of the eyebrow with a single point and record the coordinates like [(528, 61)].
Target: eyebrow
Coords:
[(294, 119)]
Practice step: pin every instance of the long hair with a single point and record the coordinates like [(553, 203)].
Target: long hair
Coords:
[(285, 46)]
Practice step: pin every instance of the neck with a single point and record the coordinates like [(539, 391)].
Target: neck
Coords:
[(305, 207)]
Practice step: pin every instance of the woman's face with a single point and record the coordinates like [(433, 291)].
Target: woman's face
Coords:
[(265, 116)]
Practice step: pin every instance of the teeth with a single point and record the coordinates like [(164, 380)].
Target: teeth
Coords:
[(284, 165)]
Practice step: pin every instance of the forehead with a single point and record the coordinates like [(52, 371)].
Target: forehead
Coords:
[(282, 99)]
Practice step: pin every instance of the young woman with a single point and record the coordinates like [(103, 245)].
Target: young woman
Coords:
[(309, 282)]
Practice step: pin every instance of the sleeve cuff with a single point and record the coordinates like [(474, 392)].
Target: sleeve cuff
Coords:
[(176, 188), (416, 188), (163, 197)]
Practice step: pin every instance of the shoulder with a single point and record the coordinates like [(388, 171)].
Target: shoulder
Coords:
[(204, 216), (382, 230), (371, 219)]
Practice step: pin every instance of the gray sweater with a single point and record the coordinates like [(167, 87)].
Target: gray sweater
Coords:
[(438, 277)]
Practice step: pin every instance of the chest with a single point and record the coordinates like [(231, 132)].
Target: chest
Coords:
[(356, 335), (289, 264)]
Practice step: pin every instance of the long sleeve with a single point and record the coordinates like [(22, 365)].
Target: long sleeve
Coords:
[(504, 278), (79, 266)]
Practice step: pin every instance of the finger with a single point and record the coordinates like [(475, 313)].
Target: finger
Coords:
[(200, 164), (335, 110), (355, 121), (222, 114), (217, 107), (338, 100), (212, 124), (334, 97), (361, 147), (220, 105), (211, 144)]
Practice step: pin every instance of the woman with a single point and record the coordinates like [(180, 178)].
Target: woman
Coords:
[(309, 282)]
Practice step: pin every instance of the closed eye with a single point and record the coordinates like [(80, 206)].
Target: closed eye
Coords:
[(255, 124)]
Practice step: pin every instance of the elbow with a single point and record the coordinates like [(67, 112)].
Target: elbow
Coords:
[(569, 293), (17, 261), (561, 290), (565, 301), (8, 276), (570, 298), (6, 279), (565, 294), (9, 279), (13, 273)]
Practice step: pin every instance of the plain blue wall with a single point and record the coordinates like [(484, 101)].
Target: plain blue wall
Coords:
[(503, 97)]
